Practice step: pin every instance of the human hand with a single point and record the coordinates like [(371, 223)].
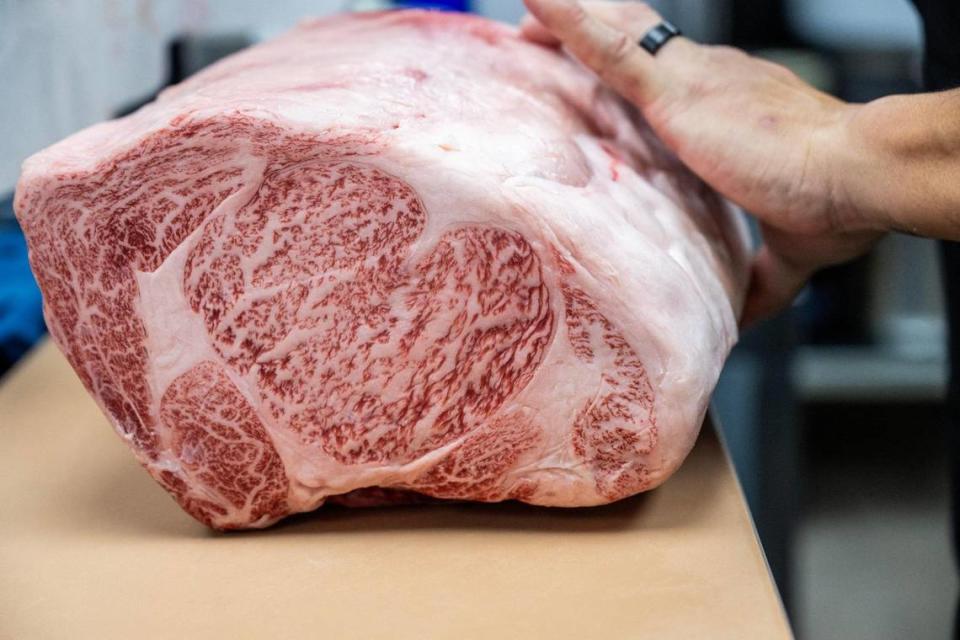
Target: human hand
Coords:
[(750, 128)]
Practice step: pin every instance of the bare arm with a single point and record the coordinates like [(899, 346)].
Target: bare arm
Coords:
[(824, 177), (899, 168)]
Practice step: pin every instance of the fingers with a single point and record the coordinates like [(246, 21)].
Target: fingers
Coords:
[(633, 18), (773, 285), (534, 31), (603, 35)]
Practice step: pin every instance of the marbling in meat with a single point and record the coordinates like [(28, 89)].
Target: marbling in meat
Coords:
[(387, 253)]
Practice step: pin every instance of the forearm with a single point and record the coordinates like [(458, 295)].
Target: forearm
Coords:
[(896, 166)]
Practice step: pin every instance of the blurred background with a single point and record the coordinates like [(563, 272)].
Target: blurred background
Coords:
[(832, 412)]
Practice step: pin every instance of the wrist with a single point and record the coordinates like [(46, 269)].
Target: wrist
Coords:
[(859, 167), (897, 170)]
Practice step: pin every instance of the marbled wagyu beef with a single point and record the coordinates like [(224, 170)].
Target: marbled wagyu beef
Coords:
[(387, 255)]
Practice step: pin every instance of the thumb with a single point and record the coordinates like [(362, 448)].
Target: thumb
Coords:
[(604, 36)]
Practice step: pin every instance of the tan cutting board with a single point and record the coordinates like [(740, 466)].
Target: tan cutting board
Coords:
[(90, 547)]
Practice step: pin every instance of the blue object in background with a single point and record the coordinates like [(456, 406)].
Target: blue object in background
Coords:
[(21, 308), (446, 5)]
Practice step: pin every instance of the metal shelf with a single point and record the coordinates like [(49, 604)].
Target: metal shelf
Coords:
[(868, 374)]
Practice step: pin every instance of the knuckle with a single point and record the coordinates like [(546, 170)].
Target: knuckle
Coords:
[(780, 71), (620, 48), (578, 15)]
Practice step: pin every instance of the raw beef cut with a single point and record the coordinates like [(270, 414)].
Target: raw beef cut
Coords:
[(387, 255)]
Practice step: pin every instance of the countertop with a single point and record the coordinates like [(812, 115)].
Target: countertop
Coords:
[(91, 547)]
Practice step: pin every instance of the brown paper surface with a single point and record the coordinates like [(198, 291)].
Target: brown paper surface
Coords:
[(91, 547)]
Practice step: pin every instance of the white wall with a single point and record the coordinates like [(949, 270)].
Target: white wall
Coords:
[(66, 64), (62, 65)]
